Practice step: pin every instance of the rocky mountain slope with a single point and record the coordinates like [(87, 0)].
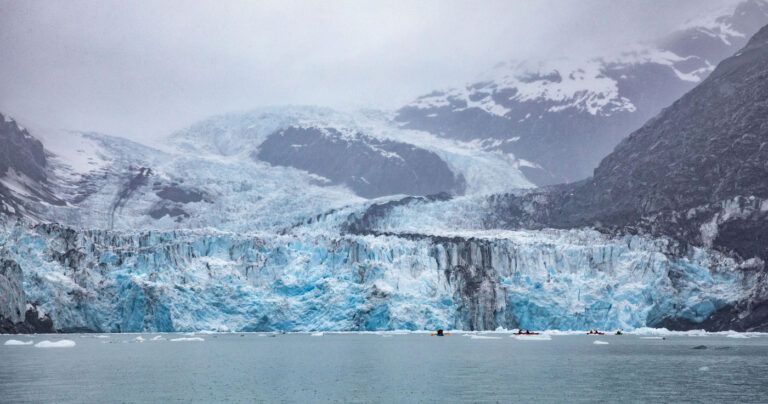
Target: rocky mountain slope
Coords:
[(563, 116), (23, 169)]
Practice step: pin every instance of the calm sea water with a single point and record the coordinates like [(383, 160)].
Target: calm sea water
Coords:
[(392, 368)]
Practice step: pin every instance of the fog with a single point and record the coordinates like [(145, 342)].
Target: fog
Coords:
[(144, 71)]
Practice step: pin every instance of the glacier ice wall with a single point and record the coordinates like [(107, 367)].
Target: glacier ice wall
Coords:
[(206, 280)]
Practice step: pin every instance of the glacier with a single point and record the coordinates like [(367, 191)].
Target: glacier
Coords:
[(192, 280), (194, 234)]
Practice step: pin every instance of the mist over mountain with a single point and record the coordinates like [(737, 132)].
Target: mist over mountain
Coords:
[(564, 115)]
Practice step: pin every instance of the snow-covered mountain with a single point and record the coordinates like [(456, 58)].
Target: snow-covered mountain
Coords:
[(295, 163), (564, 115)]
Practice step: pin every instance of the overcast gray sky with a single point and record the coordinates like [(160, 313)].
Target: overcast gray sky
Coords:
[(142, 69)]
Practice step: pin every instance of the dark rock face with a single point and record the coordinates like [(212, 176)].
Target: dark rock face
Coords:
[(370, 167), (20, 151), (135, 181), (709, 147), (366, 223), (33, 324), (178, 194), (568, 139), (12, 300), (15, 315), (173, 198), (22, 156)]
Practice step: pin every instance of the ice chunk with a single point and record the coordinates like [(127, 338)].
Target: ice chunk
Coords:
[(158, 338), (139, 339), (542, 337), (17, 342), (737, 336), (600, 343), (64, 343), (317, 334), (187, 339), (483, 337), (704, 369)]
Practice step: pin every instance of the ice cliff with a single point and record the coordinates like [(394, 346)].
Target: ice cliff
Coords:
[(207, 280)]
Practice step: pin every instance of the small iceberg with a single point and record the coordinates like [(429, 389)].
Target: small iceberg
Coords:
[(189, 339), (65, 343), (740, 336), (158, 338), (139, 339), (317, 334), (484, 337), (703, 368), (17, 342), (598, 342), (542, 337)]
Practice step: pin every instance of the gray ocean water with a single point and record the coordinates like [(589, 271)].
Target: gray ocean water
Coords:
[(392, 368)]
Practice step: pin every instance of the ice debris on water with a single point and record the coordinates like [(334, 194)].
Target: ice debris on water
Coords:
[(17, 342), (542, 337), (64, 343), (600, 343), (187, 339)]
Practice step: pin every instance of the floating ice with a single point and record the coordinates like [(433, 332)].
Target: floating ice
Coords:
[(158, 338), (740, 336), (317, 334), (704, 369), (484, 337), (17, 342), (600, 343), (542, 337), (187, 339), (139, 339), (64, 343)]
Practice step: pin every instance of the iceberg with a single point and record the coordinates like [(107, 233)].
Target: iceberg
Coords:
[(187, 339), (64, 343), (17, 342)]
